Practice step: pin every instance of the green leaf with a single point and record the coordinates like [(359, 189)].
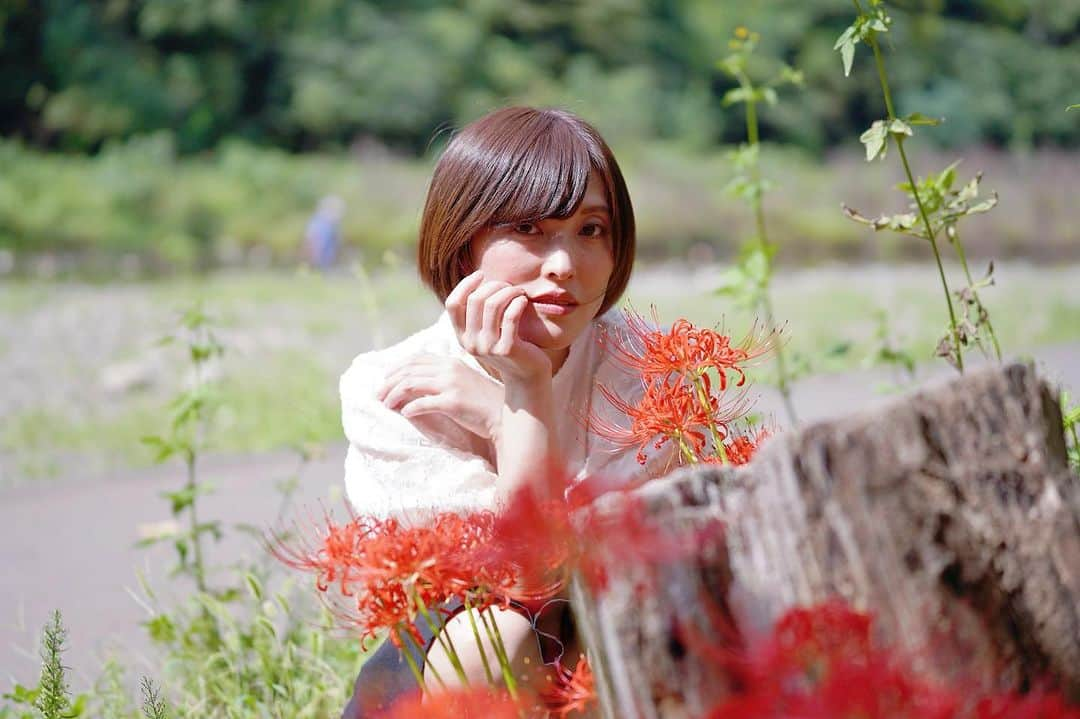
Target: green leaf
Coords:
[(181, 545), (78, 708), (212, 528), (846, 45), (736, 95), (162, 448), (899, 127), (875, 140), (984, 206), (789, 75), (917, 118), (180, 499), (769, 95), (161, 629), (839, 349), (23, 695), (1073, 107), (254, 586)]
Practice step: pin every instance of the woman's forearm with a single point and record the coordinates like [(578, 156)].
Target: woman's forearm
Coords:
[(525, 445)]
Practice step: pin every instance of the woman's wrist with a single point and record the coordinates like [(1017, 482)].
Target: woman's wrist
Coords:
[(526, 437)]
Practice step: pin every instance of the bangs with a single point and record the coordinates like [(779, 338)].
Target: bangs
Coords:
[(546, 177)]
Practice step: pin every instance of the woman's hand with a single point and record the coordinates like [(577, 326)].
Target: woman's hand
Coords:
[(518, 417), (428, 384), (487, 318)]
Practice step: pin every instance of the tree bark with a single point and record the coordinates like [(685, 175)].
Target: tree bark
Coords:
[(951, 515)]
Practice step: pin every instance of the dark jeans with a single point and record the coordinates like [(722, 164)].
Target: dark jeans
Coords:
[(385, 677)]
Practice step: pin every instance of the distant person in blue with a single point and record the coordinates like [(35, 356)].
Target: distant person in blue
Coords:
[(322, 236)]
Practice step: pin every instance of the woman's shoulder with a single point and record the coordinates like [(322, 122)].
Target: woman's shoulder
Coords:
[(367, 369)]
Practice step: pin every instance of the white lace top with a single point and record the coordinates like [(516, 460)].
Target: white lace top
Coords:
[(412, 468)]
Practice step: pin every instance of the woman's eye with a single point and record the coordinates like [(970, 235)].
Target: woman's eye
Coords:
[(526, 228), (594, 229)]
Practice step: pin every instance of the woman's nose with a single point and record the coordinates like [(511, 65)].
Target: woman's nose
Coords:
[(559, 259)]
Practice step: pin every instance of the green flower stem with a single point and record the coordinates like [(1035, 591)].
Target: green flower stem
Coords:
[(193, 520), (427, 665), (443, 638), (703, 397), (971, 283), (764, 297), (883, 78), (685, 448), (417, 674), (479, 643), (500, 652)]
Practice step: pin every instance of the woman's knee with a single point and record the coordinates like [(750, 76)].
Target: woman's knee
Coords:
[(517, 635)]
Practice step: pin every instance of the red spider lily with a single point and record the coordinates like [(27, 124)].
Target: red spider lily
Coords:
[(478, 703), (390, 573), (669, 410), (628, 536), (742, 448), (820, 663), (572, 691), (685, 349), (533, 535)]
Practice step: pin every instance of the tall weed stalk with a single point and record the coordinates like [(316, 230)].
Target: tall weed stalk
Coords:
[(748, 282), (241, 648), (51, 698), (937, 205)]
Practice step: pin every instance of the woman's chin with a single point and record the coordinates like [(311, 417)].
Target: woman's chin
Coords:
[(545, 333)]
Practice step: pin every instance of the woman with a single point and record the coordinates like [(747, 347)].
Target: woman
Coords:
[(527, 237)]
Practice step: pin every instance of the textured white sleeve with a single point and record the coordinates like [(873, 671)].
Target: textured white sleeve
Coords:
[(394, 469)]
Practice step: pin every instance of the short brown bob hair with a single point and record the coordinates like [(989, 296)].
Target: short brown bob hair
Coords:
[(518, 164)]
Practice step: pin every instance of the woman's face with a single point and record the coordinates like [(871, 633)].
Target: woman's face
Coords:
[(562, 264)]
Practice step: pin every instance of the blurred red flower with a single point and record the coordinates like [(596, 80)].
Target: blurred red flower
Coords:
[(572, 691), (821, 663), (477, 703)]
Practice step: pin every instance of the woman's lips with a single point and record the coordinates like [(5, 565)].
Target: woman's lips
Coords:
[(551, 306)]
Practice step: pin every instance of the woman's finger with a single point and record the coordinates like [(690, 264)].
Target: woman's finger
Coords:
[(474, 313), (511, 322), (456, 301), (427, 404), (494, 309), (407, 389)]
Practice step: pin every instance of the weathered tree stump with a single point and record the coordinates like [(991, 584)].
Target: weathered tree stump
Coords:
[(951, 509)]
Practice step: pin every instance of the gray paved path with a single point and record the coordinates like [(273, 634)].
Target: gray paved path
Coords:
[(71, 544)]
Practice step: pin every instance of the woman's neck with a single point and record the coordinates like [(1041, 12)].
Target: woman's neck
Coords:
[(558, 358)]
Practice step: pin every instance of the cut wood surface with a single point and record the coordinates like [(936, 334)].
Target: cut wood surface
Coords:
[(950, 514)]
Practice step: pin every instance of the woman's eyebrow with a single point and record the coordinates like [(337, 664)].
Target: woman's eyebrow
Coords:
[(596, 208)]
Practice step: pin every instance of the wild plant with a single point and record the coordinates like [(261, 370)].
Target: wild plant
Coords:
[(749, 280), (186, 436), (51, 698), (887, 351), (153, 706), (243, 647), (936, 205)]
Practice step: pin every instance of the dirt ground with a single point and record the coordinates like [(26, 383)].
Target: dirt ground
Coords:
[(71, 544)]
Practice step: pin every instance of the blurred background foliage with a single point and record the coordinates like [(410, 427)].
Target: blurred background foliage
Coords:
[(320, 74), (191, 133)]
